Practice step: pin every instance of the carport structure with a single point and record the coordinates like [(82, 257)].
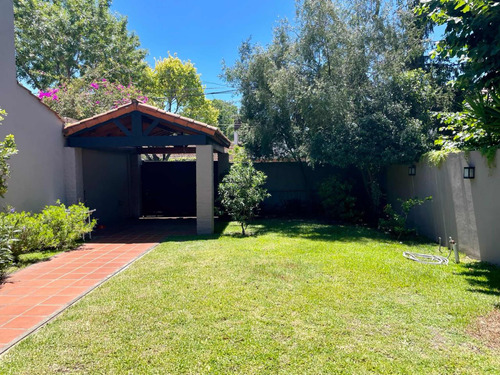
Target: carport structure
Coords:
[(109, 146)]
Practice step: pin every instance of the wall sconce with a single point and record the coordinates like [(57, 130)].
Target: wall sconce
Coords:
[(412, 170), (469, 172)]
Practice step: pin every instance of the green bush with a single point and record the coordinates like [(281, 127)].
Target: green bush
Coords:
[(395, 223), (56, 227), (338, 200), (6, 240), (31, 234)]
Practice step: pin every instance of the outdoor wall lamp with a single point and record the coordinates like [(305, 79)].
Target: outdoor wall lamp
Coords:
[(412, 170), (469, 172)]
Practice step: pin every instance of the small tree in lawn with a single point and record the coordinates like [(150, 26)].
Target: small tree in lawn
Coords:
[(241, 191)]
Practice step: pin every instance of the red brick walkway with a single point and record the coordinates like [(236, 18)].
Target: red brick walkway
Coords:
[(32, 296)]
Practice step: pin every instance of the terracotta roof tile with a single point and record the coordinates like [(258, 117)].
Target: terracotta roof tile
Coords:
[(135, 105)]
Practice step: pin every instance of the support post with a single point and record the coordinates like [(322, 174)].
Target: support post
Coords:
[(204, 189)]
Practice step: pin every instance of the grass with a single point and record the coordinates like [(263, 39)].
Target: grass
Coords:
[(294, 298)]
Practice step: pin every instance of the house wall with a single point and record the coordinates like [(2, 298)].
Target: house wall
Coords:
[(37, 171), (108, 184), (468, 210)]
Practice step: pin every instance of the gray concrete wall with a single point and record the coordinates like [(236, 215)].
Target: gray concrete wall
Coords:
[(37, 176), (467, 210), (107, 185), (289, 185)]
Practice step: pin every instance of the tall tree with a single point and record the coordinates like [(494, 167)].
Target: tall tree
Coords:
[(339, 88), (176, 86), (57, 40)]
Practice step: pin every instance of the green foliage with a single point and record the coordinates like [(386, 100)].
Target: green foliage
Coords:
[(31, 232), (471, 36), (90, 95), (471, 40), (464, 131), (56, 227), (436, 158), (57, 40), (241, 191), (338, 200), (339, 87), (6, 240), (175, 86), (394, 222), (7, 149), (67, 224), (228, 113)]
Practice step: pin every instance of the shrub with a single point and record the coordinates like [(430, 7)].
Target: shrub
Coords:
[(241, 191), (395, 223), (6, 239), (338, 200), (31, 233), (66, 224), (56, 227)]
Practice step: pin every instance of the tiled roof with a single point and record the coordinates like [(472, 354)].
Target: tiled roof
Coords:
[(212, 131)]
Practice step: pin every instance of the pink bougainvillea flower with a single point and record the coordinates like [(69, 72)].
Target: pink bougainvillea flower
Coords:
[(97, 102), (94, 85), (104, 79), (55, 97)]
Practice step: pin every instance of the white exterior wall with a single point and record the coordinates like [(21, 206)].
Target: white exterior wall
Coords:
[(466, 209), (37, 171)]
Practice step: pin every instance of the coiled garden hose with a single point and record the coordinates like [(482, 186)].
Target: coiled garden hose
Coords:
[(429, 258)]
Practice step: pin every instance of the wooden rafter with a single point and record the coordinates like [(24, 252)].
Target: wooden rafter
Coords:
[(129, 121)]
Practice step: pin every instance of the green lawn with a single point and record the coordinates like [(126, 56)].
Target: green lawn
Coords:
[(294, 298)]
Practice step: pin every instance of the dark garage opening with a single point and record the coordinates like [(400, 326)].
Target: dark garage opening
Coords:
[(169, 188)]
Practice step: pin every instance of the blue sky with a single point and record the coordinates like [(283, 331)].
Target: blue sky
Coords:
[(205, 32)]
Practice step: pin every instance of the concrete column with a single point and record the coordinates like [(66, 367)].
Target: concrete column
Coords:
[(223, 159), (73, 175), (205, 189)]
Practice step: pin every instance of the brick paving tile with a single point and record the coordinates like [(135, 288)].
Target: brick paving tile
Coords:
[(42, 310), (8, 334), (22, 322)]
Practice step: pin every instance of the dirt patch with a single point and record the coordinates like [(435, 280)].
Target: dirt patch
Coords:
[(487, 329)]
